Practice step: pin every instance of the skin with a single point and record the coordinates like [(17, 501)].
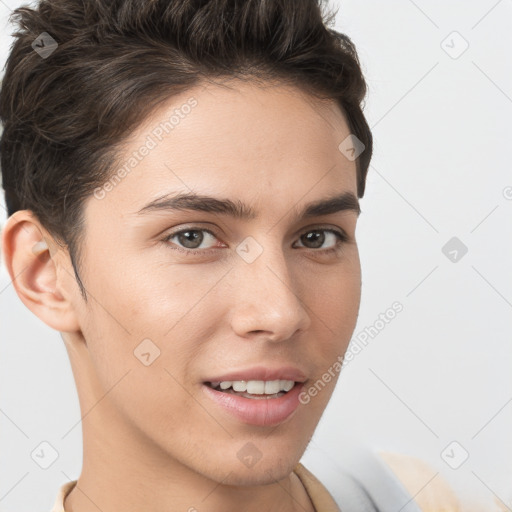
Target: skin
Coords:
[(152, 439)]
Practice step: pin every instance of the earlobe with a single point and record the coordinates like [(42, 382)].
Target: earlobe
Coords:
[(34, 271)]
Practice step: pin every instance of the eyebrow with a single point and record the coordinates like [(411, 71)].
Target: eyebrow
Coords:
[(346, 201)]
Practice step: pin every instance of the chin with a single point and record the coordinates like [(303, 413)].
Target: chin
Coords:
[(256, 461), (262, 473)]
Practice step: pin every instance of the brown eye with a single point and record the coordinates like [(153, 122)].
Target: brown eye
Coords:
[(191, 238), (316, 238)]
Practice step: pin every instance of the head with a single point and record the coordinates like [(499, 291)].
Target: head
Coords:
[(188, 166)]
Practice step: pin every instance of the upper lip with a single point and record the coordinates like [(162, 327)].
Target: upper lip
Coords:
[(261, 373)]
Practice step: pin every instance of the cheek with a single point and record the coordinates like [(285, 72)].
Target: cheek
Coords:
[(335, 307), (143, 369), (147, 298), (163, 311), (335, 298)]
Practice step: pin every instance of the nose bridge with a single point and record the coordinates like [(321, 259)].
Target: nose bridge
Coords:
[(266, 296)]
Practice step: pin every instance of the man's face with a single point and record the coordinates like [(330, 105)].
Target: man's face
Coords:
[(178, 298)]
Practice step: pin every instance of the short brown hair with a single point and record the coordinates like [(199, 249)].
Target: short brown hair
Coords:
[(64, 116)]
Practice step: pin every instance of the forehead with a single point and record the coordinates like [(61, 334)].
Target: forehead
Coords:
[(237, 139)]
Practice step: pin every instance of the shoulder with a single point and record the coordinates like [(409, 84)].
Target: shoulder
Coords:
[(348, 496), (64, 490)]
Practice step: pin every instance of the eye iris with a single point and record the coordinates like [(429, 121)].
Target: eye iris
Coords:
[(196, 238), (317, 237)]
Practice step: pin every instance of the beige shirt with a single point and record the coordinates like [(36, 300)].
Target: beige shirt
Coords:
[(319, 495)]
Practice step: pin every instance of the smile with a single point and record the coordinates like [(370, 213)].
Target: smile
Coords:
[(259, 403)]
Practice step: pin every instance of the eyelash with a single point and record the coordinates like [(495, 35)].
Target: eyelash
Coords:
[(342, 238)]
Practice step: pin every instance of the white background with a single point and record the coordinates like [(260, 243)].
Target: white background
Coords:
[(441, 370)]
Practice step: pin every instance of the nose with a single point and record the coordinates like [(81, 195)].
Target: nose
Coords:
[(266, 300)]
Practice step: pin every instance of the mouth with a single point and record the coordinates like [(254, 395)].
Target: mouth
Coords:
[(261, 403)]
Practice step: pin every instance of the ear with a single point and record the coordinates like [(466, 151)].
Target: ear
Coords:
[(32, 258)]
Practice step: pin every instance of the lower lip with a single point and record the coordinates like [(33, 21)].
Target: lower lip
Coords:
[(261, 412)]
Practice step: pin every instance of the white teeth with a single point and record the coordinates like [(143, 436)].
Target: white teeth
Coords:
[(287, 384), (272, 387), (240, 385), (256, 387)]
